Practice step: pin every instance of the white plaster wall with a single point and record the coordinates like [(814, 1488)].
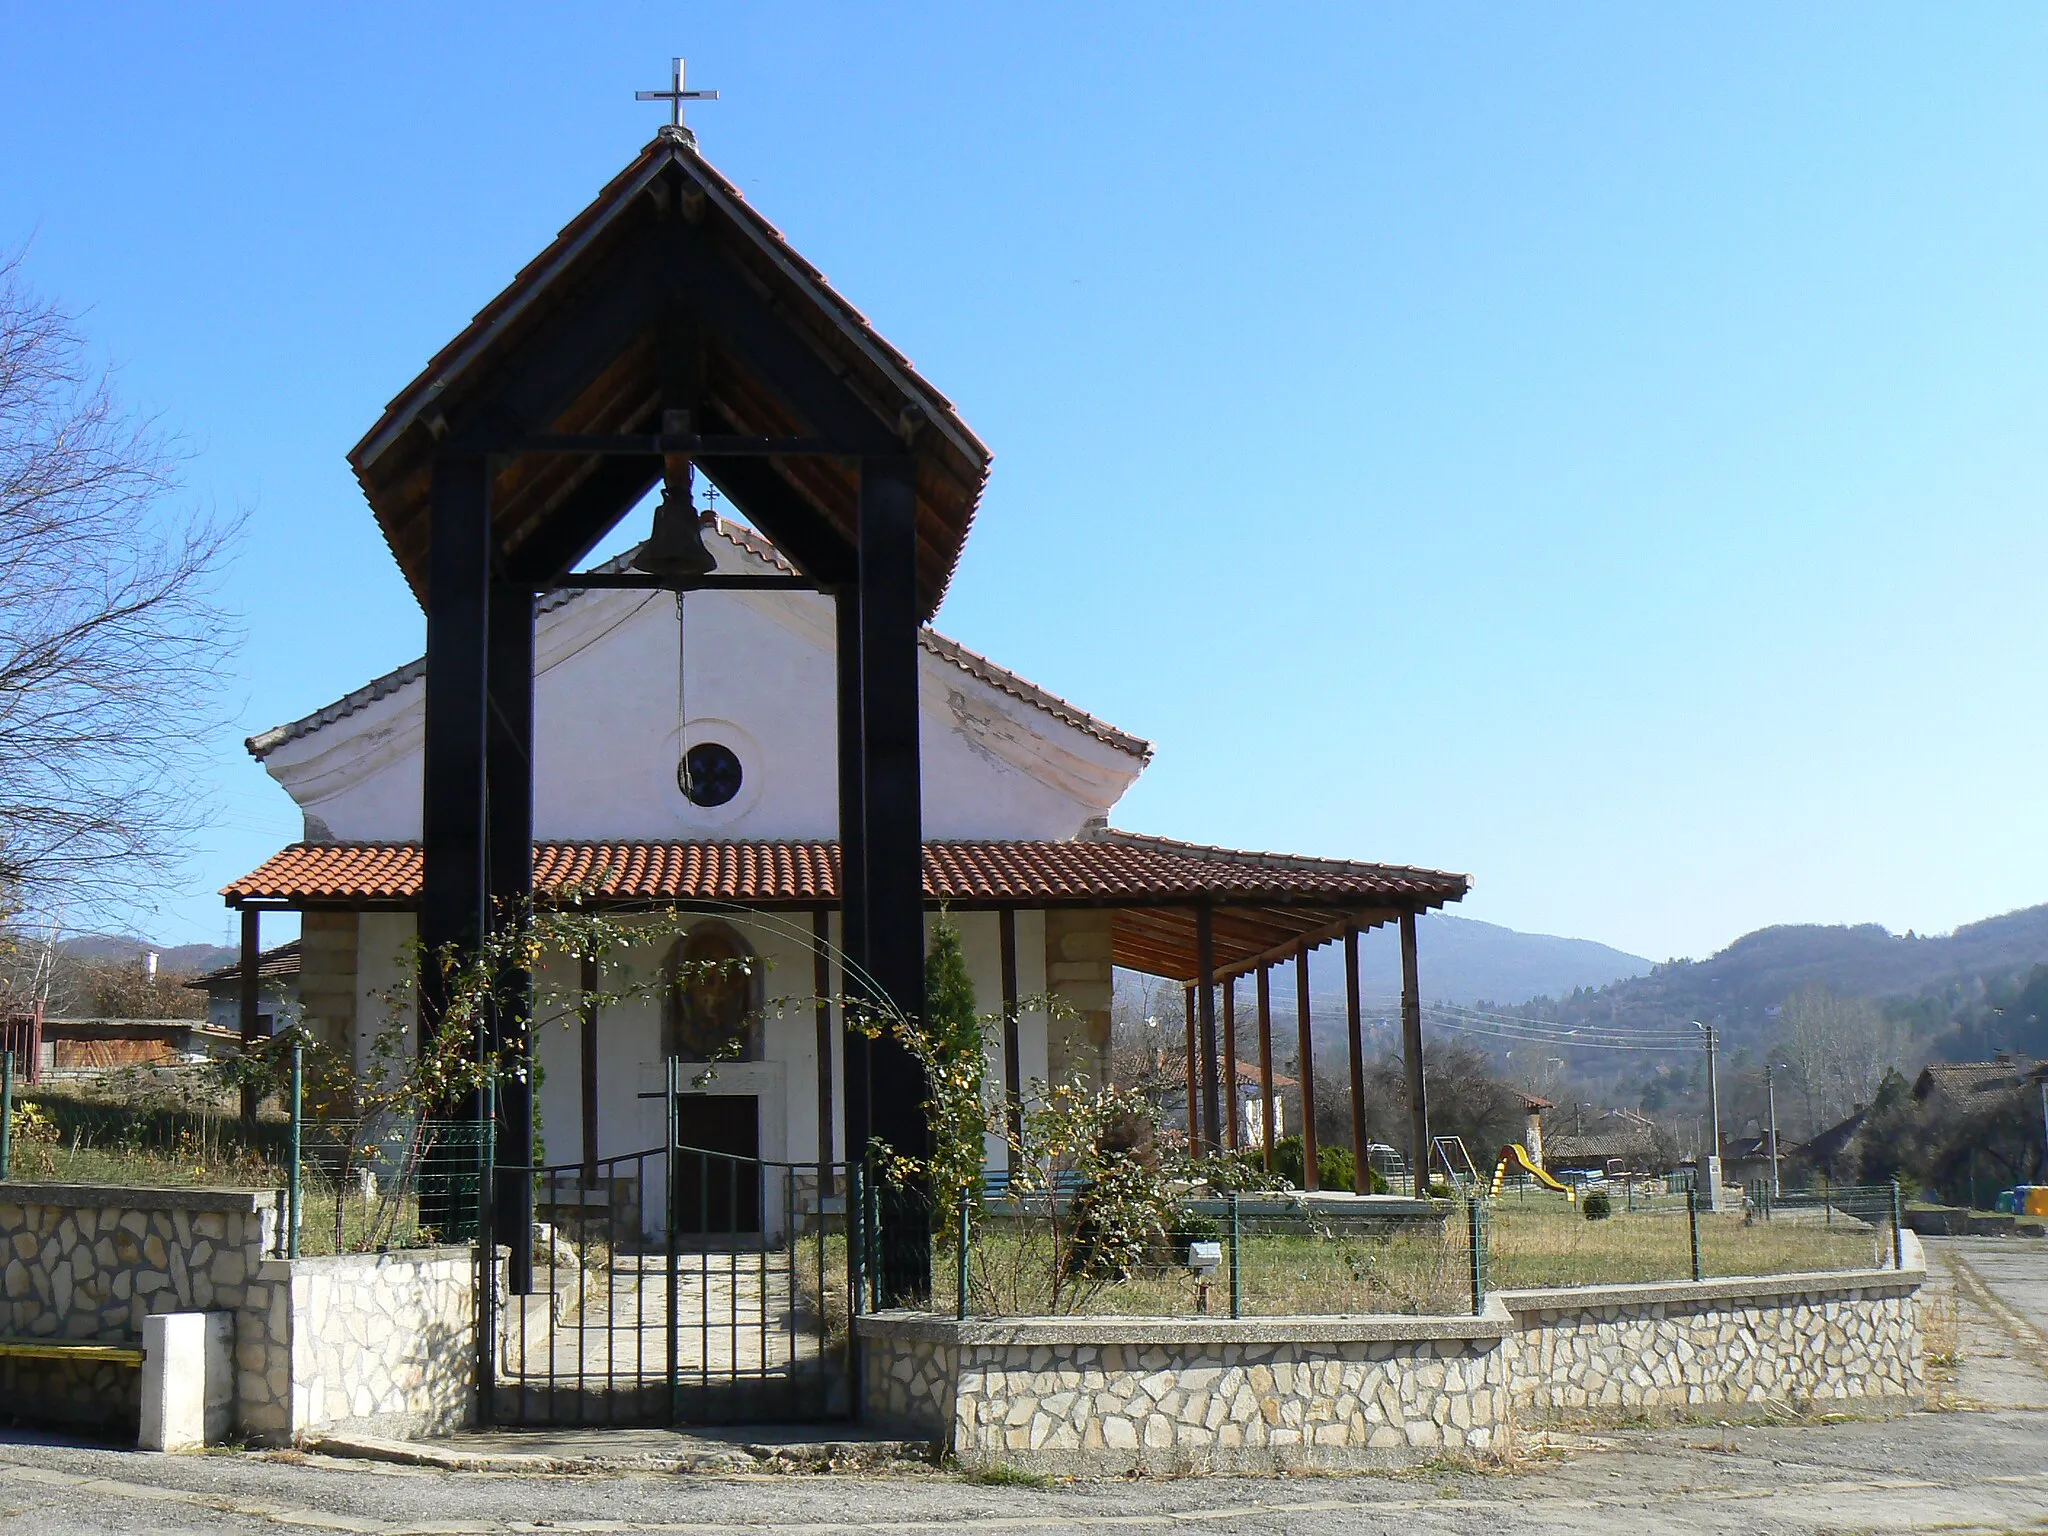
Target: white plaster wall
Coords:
[(761, 677)]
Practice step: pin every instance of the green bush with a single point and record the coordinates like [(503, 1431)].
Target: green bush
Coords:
[(1597, 1206), (1333, 1164)]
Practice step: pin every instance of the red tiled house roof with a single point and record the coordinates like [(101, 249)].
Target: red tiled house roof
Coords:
[(1262, 902)]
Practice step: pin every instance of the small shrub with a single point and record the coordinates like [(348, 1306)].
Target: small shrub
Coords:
[(1334, 1166), (1597, 1206)]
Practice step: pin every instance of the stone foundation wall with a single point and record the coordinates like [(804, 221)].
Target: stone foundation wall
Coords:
[(83, 1262), (1265, 1394), (373, 1341), (1080, 971), (384, 1342), (1766, 1343)]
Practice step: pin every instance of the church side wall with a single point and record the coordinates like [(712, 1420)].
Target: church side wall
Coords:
[(327, 977), (1079, 971)]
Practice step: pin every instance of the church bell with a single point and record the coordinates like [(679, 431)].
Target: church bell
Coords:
[(675, 550)]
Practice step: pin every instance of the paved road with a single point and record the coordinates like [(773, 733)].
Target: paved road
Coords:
[(1960, 1472)]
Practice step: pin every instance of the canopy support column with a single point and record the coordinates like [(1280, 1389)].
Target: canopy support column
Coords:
[(1361, 1144), (1411, 1056), (892, 830), (251, 1006), (1231, 1117), (508, 875), (1194, 1076), (821, 992), (1205, 962), (1013, 1065), (453, 886), (1304, 1028), (1265, 1005), (853, 872)]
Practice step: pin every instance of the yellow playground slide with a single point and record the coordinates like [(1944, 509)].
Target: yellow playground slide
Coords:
[(1515, 1155)]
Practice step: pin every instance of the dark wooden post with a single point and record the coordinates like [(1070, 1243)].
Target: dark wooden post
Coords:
[(453, 883), (853, 872), (821, 993), (1013, 1065), (894, 844), (588, 980), (508, 874), (1311, 1174), (1205, 962), (1231, 1117), (1361, 1143), (1265, 1005), (1194, 1076), (252, 1007), (1411, 1056)]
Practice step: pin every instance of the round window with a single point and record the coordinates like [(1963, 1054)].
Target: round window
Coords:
[(709, 774)]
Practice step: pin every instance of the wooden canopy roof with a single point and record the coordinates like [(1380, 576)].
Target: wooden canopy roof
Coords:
[(1262, 905), (668, 292)]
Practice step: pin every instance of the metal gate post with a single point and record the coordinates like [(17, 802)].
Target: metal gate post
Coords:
[(669, 1161), (487, 1263), (856, 1265)]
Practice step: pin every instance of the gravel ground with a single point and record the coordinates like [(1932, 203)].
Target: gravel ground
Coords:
[(1982, 1467)]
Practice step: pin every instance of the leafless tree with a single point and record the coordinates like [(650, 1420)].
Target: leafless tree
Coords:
[(113, 638), (1839, 1049)]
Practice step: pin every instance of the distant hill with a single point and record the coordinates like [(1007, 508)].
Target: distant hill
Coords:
[(1460, 961), (181, 959), (1463, 961), (1738, 986)]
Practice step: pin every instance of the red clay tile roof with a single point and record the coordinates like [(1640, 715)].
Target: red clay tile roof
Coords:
[(1111, 869)]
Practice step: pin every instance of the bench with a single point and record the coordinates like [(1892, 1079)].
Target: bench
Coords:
[(70, 1349), (184, 1357)]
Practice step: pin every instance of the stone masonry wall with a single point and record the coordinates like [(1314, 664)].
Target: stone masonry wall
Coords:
[(1196, 1395), (327, 977), (381, 1341), (1199, 1394), (384, 1342), (82, 1262), (1725, 1346), (1079, 970)]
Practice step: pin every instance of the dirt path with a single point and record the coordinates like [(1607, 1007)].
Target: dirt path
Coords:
[(1987, 1322)]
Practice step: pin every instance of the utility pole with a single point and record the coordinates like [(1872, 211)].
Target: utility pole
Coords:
[(1771, 1094), (1710, 1165)]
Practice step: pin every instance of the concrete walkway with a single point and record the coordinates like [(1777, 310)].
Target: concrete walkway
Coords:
[(1986, 1321)]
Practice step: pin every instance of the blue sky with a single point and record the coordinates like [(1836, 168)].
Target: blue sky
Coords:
[(1596, 448)]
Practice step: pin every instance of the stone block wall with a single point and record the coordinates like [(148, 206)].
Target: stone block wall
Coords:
[(1184, 1395), (383, 1342), (327, 977), (1079, 970), (83, 1262), (378, 1342), (1798, 1343), (1261, 1394)]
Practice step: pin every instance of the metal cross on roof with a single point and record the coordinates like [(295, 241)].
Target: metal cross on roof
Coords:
[(675, 96)]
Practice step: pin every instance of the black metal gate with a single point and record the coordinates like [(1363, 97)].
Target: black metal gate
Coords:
[(673, 1286)]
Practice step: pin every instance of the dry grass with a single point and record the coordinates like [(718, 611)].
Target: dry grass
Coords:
[(1318, 1271), (1532, 1246)]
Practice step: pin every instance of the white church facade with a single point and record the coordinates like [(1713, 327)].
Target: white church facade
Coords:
[(1019, 787)]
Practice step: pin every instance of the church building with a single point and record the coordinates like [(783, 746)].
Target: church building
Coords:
[(686, 752)]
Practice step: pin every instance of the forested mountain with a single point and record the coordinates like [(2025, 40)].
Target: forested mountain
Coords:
[(1743, 986)]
